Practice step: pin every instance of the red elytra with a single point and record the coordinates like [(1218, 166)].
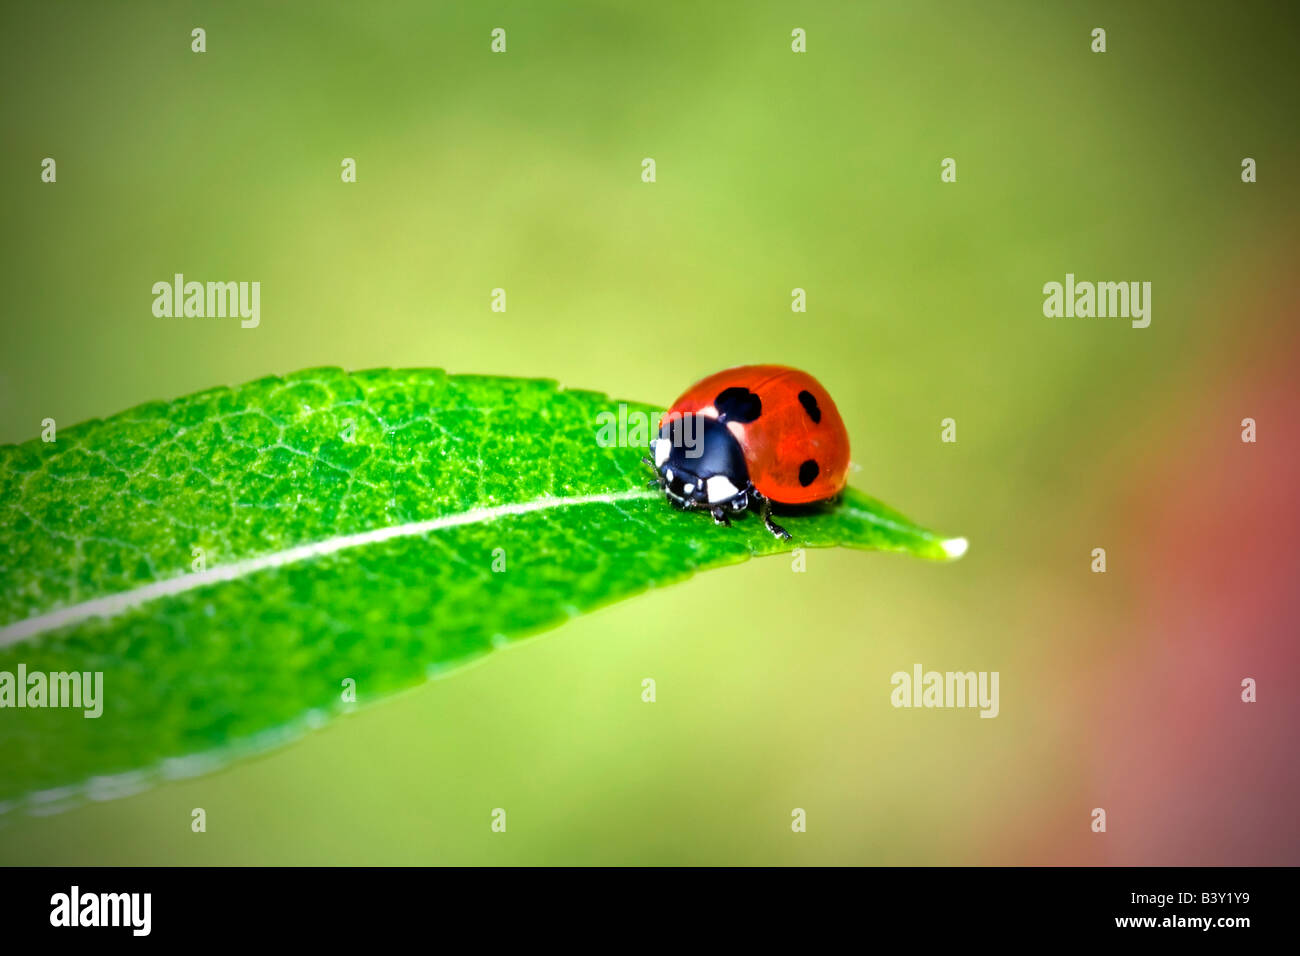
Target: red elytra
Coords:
[(795, 444)]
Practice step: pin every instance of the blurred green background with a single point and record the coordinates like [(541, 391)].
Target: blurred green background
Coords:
[(775, 170)]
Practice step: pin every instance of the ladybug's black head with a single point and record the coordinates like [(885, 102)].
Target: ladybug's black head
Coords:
[(700, 462)]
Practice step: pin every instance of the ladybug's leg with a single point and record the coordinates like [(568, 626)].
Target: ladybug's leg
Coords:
[(775, 528), (720, 517), (772, 526)]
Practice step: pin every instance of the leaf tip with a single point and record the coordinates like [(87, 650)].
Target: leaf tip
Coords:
[(954, 548)]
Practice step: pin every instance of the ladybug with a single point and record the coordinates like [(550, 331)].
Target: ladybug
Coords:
[(750, 437)]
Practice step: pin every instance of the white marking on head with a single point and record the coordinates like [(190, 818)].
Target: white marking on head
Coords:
[(720, 488), (662, 447), (689, 488), (668, 474)]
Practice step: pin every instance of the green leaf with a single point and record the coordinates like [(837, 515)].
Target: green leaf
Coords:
[(229, 559)]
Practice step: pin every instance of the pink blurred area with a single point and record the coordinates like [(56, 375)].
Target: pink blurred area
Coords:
[(1187, 772)]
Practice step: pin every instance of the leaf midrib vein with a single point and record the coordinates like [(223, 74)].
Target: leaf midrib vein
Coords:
[(113, 605)]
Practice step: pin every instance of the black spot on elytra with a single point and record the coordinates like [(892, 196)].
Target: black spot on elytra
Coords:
[(809, 403), (737, 404), (808, 472)]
